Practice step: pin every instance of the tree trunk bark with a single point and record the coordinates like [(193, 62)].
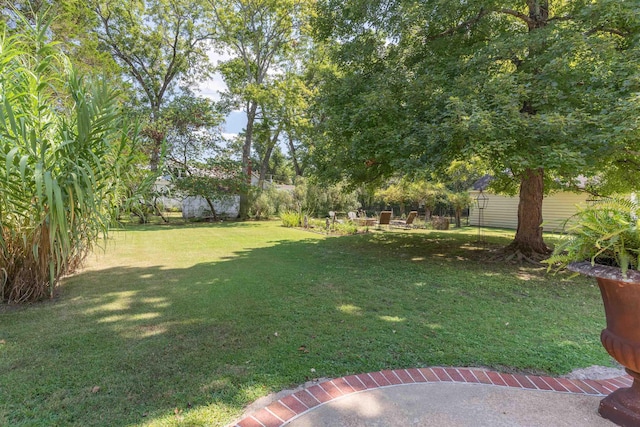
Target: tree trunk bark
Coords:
[(294, 159), (264, 166), (528, 239), (158, 211), (213, 210), (156, 137), (243, 210)]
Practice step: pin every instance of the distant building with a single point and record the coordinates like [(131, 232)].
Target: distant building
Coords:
[(502, 211), (197, 206)]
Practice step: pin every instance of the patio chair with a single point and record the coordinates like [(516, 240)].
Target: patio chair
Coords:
[(407, 223), (385, 218), (352, 216)]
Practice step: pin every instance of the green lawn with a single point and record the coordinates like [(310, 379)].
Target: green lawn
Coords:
[(186, 324)]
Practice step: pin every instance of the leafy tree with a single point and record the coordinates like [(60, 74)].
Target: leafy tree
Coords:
[(459, 202), (318, 199), (297, 90), (260, 34), (218, 179), (71, 20), (194, 131), (460, 176), (267, 135), (67, 153), (160, 44), (535, 89), (296, 120), (195, 157), (426, 193), (394, 194), (279, 167)]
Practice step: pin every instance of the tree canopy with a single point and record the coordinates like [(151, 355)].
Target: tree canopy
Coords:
[(261, 36), (542, 92), (160, 45)]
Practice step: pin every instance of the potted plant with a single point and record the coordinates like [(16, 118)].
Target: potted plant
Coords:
[(604, 242)]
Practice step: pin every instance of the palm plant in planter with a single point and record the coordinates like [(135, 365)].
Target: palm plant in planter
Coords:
[(604, 242)]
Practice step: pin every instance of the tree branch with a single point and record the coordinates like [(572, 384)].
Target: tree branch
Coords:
[(517, 14), (466, 24)]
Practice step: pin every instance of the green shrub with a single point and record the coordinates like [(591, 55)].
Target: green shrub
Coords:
[(291, 219), (263, 206), (320, 199), (605, 233), (345, 228), (270, 201), (67, 154)]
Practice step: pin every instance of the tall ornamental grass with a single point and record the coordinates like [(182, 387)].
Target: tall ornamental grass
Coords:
[(66, 153)]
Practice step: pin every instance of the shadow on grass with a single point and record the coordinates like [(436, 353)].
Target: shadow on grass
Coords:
[(129, 345)]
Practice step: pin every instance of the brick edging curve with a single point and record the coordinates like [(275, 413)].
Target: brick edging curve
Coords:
[(292, 406)]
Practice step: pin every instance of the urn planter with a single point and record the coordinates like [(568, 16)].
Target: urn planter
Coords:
[(621, 337)]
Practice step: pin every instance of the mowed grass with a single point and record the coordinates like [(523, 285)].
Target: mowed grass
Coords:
[(186, 325)]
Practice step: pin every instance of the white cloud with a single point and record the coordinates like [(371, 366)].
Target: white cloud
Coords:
[(213, 87)]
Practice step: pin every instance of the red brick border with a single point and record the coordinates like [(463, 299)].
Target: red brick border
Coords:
[(282, 411)]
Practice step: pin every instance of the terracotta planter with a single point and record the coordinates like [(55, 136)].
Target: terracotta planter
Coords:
[(621, 337)]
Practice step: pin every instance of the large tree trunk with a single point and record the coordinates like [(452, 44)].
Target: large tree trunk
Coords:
[(243, 210), (528, 240)]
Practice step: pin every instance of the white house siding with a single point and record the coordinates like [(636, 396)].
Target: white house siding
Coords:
[(502, 211)]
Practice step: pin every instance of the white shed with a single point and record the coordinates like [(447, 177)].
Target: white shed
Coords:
[(197, 207)]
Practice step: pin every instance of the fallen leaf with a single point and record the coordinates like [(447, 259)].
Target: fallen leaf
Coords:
[(275, 334), (313, 369), (303, 349), (95, 389), (3, 342)]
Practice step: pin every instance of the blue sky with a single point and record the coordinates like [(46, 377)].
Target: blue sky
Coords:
[(236, 121)]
